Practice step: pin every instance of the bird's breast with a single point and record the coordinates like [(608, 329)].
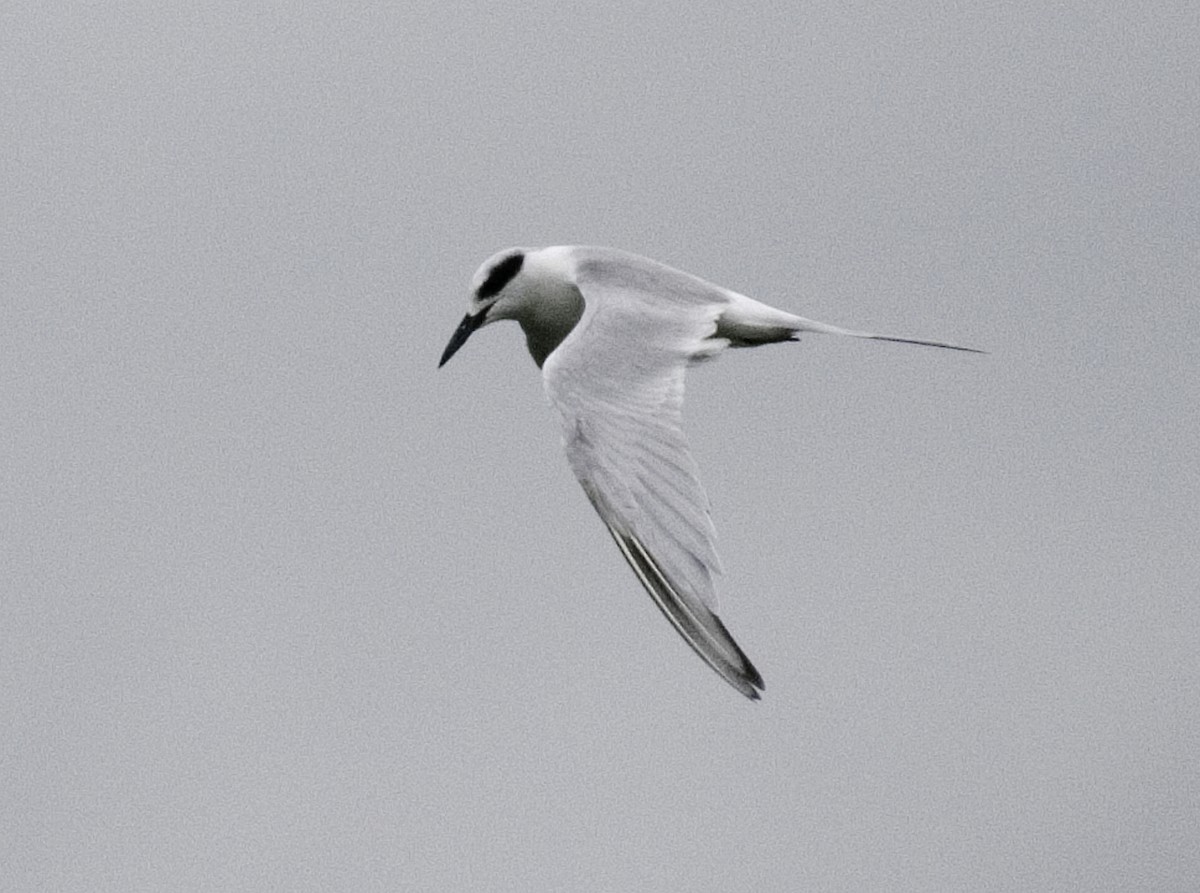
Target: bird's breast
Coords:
[(548, 321)]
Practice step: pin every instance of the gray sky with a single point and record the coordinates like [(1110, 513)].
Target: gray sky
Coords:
[(285, 607)]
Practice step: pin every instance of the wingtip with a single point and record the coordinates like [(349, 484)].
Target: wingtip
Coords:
[(742, 674), (753, 682), (701, 629)]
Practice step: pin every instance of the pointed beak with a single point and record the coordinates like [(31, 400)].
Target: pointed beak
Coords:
[(468, 325)]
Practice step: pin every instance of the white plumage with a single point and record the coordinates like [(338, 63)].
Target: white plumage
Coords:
[(614, 333)]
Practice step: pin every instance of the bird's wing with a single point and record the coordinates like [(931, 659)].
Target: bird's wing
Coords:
[(618, 381)]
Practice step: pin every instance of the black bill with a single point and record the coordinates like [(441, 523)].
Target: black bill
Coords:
[(468, 325)]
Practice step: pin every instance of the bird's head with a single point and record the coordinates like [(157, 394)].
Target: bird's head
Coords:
[(496, 293), (536, 287)]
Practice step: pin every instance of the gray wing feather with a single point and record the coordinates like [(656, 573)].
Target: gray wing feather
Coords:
[(618, 381)]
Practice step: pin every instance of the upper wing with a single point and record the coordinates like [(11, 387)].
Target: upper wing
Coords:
[(617, 380)]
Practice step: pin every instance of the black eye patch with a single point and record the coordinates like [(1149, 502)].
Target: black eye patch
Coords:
[(501, 275)]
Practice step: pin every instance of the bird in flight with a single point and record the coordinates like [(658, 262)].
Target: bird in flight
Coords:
[(613, 334)]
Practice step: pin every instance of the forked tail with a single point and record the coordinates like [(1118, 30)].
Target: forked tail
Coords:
[(746, 322), (811, 325)]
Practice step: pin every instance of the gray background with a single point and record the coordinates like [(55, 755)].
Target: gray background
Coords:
[(284, 607)]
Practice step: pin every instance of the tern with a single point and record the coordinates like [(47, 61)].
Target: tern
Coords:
[(613, 334)]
